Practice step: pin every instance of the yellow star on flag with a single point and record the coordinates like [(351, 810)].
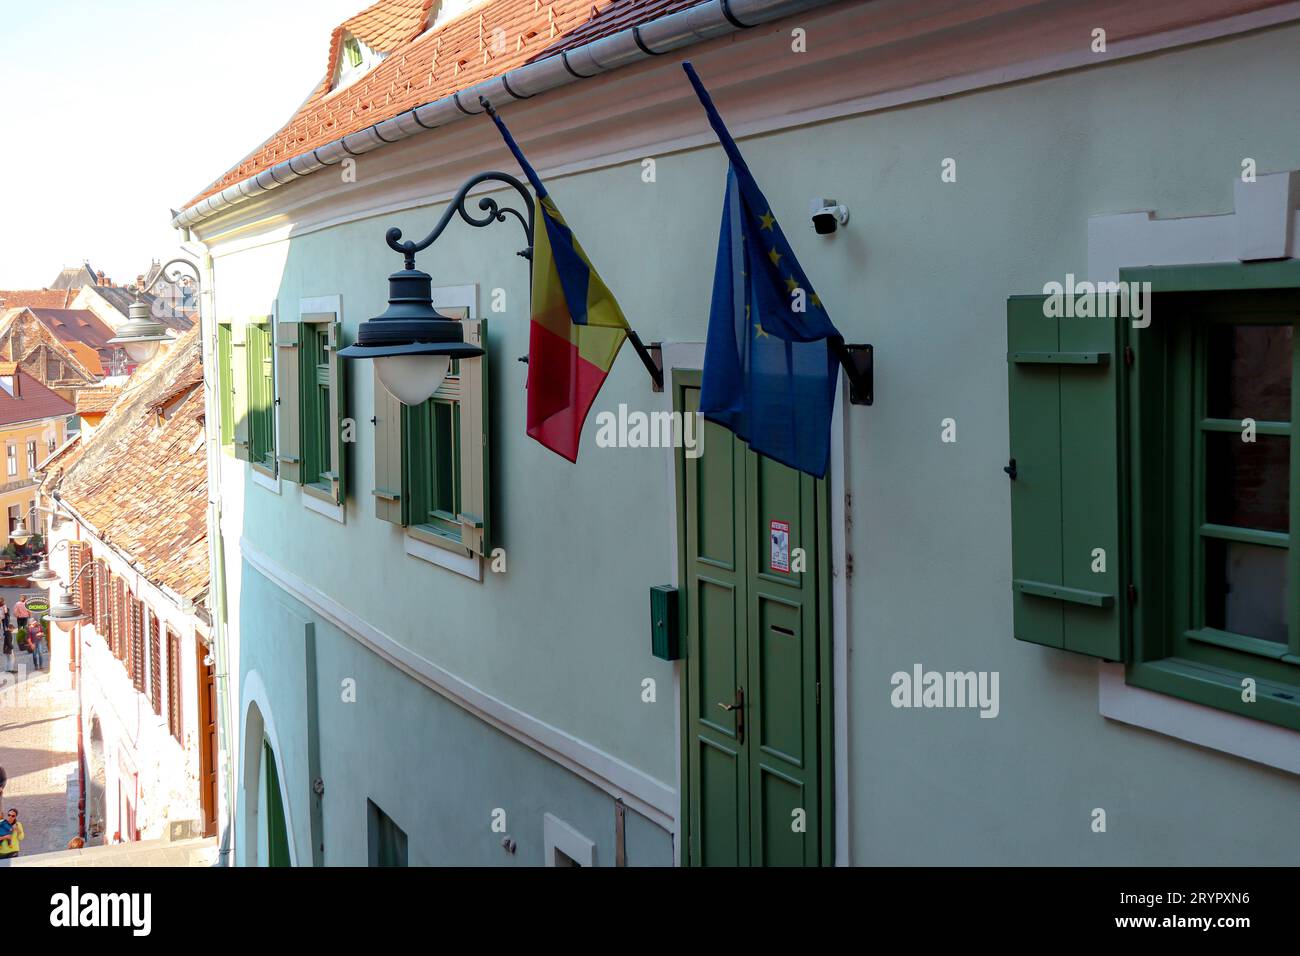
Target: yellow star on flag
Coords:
[(758, 331), (767, 219), (791, 284), (774, 256), (816, 300)]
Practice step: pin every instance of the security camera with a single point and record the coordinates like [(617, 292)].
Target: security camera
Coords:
[(827, 215)]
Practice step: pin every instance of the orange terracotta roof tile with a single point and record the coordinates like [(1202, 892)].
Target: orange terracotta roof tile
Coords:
[(37, 298), (141, 481), (422, 67), (89, 400)]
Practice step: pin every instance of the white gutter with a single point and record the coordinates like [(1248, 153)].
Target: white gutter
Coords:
[(706, 21)]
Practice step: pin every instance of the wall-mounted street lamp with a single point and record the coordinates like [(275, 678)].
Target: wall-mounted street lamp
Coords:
[(43, 577), (142, 334), (64, 611), (411, 342), (20, 533)]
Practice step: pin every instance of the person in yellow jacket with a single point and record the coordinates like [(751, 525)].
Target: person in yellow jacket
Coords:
[(13, 838)]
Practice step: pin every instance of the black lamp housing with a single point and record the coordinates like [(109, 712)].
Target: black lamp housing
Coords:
[(410, 325)]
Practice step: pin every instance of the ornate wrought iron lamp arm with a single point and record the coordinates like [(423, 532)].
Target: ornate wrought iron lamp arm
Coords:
[(176, 275), (492, 212)]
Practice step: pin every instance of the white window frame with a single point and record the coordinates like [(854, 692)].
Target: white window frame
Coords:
[(1265, 224), (422, 545), (311, 500), (558, 835)]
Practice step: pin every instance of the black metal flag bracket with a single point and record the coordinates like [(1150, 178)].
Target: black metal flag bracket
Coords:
[(858, 362)]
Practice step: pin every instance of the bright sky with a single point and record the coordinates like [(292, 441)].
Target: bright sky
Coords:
[(113, 112)]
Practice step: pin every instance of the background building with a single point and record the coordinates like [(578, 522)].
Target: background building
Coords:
[(130, 504), (33, 424)]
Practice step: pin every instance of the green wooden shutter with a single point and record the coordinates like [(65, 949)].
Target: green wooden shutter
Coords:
[(388, 455), (225, 385), (338, 411), (1067, 495), (474, 464), (239, 385), (288, 400)]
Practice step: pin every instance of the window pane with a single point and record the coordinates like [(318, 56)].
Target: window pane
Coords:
[(1245, 589), (1246, 482), (1249, 374)]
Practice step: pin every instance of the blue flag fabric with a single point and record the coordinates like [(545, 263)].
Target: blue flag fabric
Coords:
[(769, 369)]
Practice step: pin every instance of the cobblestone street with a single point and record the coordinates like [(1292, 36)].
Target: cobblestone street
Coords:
[(38, 751)]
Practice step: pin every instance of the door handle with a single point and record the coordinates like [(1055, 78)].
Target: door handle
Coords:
[(739, 708)]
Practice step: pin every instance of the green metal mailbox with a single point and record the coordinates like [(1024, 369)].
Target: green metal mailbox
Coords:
[(665, 631)]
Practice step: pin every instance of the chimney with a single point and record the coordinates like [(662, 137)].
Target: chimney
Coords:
[(101, 277)]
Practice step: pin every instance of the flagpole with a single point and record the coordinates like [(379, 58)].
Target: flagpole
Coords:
[(643, 353)]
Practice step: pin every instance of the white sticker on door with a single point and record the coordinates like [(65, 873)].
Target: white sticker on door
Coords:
[(781, 546)]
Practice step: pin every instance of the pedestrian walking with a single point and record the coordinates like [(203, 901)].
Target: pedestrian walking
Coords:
[(36, 637), (22, 616), (11, 842), (5, 622)]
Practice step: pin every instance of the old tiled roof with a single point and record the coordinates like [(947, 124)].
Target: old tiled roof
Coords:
[(78, 325), (141, 480), (91, 400), (32, 400), (37, 298), (75, 277), (59, 459), (24, 338), (422, 67), (163, 309)]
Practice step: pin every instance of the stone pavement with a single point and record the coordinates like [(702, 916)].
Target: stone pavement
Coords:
[(38, 750), (196, 852)]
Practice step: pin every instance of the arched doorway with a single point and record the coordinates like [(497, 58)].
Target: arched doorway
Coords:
[(265, 826), (96, 785)]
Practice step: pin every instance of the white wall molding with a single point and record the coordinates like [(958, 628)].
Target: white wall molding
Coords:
[(1257, 225), (1195, 723), (652, 798)]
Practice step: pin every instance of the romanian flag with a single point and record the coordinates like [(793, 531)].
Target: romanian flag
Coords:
[(577, 327)]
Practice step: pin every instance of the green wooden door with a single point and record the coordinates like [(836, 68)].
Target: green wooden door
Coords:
[(757, 656), (277, 834)]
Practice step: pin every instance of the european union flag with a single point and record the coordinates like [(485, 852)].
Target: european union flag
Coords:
[(769, 368)]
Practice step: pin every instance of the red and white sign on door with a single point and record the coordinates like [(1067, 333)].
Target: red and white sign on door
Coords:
[(780, 546)]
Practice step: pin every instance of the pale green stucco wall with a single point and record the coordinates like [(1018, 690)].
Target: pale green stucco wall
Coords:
[(922, 272)]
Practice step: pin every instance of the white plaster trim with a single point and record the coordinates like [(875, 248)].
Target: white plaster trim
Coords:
[(327, 508), (314, 304), (254, 692), (683, 355), (839, 518), (653, 799), (263, 480), (469, 565), (1205, 726), (456, 297), (1139, 239), (558, 835)]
